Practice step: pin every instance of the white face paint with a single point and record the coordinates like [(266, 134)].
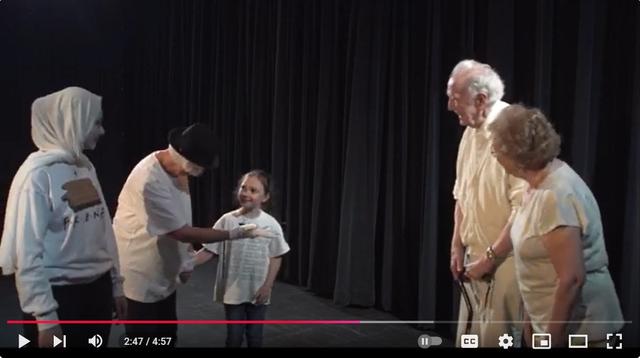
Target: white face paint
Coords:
[(188, 167), (192, 169), (94, 135)]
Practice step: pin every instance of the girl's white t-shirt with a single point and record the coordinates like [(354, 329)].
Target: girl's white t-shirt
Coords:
[(243, 264)]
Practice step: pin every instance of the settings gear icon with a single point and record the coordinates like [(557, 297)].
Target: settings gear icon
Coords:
[(505, 341)]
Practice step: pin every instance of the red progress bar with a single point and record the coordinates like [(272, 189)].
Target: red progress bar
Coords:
[(284, 322)]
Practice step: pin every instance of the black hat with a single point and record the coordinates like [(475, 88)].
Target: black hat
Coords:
[(196, 143)]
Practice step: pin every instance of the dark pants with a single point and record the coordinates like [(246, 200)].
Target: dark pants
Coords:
[(161, 310), (89, 301), (236, 332)]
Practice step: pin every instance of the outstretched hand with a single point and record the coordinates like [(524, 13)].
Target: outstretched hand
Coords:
[(258, 232), (251, 231)]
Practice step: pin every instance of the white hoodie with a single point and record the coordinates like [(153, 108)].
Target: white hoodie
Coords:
[(57, 228)]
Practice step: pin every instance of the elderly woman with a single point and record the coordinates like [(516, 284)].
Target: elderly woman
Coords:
[(557, 237), (57, 236)]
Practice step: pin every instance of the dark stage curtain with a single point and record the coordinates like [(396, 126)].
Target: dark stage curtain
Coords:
[(344, 103)]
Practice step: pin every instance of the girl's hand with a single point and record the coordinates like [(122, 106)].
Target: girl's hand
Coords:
[(263, 294), (203, 256)]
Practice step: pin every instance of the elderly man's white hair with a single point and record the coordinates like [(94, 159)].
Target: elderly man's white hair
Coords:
[(465, 65), (486, 80), (479, 78)]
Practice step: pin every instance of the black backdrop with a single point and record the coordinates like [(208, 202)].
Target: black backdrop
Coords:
[(343, 101)]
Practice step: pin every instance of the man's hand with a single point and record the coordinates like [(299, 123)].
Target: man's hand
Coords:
[(184, 276), (457, 261), (262, 295), (250, 231), (241, 232), (266, 233), (45, 337), (479, 268), (120, 304)]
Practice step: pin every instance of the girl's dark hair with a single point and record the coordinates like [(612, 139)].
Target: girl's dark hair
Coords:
[(265, 180)]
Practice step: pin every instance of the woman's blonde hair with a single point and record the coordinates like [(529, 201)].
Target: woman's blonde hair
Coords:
[(526, 136)]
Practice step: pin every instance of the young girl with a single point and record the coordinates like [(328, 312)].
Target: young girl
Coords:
[(247, 268)]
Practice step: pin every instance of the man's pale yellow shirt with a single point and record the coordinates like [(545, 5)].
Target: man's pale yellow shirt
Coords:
[(487, 195)]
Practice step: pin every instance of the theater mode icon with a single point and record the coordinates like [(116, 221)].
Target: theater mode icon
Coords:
[(578, 341)]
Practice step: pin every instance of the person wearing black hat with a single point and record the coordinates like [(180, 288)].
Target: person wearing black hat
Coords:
[(153, 227)]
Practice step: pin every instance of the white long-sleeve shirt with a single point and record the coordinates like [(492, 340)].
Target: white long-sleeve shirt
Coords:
[(57, 227), (63, 236)]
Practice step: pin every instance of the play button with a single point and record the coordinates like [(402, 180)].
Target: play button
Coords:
[(22, 341)]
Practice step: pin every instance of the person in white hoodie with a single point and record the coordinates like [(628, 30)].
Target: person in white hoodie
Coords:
[(57, 237)]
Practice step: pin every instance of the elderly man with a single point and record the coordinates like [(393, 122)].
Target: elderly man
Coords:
[(486, 198)]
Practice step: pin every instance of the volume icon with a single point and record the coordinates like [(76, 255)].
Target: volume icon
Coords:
[(96, 341)]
